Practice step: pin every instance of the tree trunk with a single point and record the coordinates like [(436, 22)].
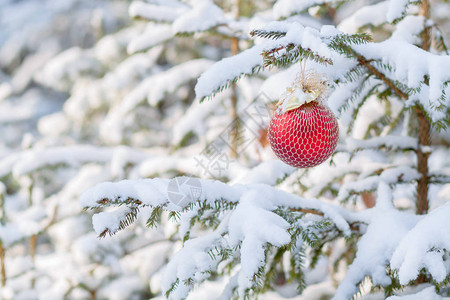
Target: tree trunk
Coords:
[(424, 131), (422, 161), (234, 98), (234, 114), (2, 265)]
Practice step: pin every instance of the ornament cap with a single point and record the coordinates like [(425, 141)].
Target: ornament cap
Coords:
[(307, 87)]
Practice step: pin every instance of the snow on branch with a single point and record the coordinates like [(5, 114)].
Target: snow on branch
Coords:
[(396, 9), (177, 280), (387, 226), (152, 36), (168, 12), (62, 71), (153, 192), (426, 293), (24, 224), (155, 87), (415, 68), (193, 119), (370, 183), (30, 160), (203, 16), (251, 217), (184, 19), (413, 74), (373, 15), (290, 42), (385, 142), (223, 73), (397, 240), (425, 247), (286, 8)]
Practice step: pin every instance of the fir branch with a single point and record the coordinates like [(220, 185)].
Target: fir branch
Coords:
[(2, 265), (230, 83), (395, 122), (155, 217), (307, 211), (351, 39), (267, 34), (174, 216), (340, 46), (291, 54), (108, 202), (341, 43), (273, 270), (445, 284), (402, 143), (437, 178), (127, 220), (439, 41), (296, 273), (363, 61), (364, 98), (172, 288), (355, 73), (212, 29)]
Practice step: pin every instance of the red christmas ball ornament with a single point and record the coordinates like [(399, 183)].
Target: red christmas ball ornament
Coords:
[(304, 132)]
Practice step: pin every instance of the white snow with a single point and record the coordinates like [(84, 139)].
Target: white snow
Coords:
[(386, 228), (29, 160), (155, 87), (410, 65), (164, 13), (423, 246), (368, 15), (60, 72), (9, 234), (203, 16), (227, 69), (193, 119), (392, 142), (396, 9), (252, 224), (267, 172), (428, 293), (408, 29), (109, 221), (152, 36), (285, 8), (245, 62)]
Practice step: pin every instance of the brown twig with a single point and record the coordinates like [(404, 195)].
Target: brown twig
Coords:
[(32, 244), (2, 250), (2, 265), (307, 211), (235, 136), (368, 199)]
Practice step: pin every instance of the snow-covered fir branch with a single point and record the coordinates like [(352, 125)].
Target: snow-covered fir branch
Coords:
[(99, 102)]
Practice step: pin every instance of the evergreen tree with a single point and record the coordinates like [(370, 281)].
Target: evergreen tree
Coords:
[(390, 96), (180, 98)]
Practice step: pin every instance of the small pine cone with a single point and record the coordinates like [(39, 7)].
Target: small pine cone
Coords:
[(304, 137)]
